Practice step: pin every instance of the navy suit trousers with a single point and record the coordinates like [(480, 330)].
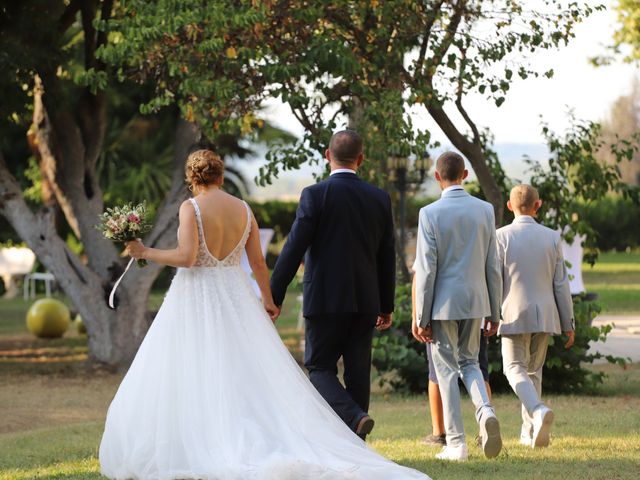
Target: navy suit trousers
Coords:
[(329, 337)]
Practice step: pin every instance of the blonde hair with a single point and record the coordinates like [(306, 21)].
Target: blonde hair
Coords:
[(204, 167), (523, 197)]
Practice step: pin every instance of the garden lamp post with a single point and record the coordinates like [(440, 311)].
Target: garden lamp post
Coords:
[(403, 174)]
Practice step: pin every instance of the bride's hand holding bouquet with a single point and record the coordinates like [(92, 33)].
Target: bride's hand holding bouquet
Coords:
[(125, 224), (136, 249)]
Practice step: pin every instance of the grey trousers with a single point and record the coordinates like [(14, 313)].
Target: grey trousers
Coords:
[(456, 344), (523, 357)]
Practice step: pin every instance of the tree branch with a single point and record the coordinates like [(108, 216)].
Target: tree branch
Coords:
[(427, 34), (101, 39), (474, 153), (444, 46), (69, 15), (474, 129), (88, 14), (38, 231), (63, 151)]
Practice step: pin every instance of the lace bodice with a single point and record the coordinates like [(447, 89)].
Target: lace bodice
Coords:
[(205, 258)]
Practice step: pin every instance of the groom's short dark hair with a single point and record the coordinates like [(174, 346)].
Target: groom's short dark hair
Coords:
[(345, 146), (450, 166)]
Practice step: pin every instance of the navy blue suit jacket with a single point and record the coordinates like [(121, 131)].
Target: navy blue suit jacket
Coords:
[(344, 230)]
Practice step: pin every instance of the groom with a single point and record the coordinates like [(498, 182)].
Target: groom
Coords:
[(344, 230)]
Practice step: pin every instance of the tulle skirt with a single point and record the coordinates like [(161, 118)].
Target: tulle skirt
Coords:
[(214, 394)]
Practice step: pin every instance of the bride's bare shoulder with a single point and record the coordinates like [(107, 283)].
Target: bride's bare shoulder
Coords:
[(186, 206)]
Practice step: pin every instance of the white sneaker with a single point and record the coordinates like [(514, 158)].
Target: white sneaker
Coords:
[(455, 454), (526, 440), (542, 421), (490, 434)]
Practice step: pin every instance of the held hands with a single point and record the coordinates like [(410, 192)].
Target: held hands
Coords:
[(423, 335), (572, 337), (490, 328), (136, 249), (384, 321), (272, 309)]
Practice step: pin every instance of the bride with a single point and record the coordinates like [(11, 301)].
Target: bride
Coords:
[(213, 393)]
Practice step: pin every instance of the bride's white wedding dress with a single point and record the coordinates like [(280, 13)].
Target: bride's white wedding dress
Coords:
[(214, 394)]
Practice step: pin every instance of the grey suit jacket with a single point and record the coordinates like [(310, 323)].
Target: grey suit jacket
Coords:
[(536, 294), (456, 267)]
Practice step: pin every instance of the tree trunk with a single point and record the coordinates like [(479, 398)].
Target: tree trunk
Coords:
[(474, 153), (113, 335)]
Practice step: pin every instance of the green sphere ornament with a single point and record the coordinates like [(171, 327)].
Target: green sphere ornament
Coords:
[(48, 318)]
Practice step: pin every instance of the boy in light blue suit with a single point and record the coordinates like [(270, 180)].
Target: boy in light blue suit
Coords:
[(457, 285)]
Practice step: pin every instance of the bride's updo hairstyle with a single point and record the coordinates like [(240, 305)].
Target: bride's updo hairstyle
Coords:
[(204, 167)]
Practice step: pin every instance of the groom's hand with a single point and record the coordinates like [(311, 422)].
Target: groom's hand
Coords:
[(384, 321)]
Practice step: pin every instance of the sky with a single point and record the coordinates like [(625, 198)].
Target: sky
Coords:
[(576, 85)]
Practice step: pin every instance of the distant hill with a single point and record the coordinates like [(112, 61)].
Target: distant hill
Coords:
[(290, 184)]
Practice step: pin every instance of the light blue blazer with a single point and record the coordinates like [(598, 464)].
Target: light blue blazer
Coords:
[(456, 267)]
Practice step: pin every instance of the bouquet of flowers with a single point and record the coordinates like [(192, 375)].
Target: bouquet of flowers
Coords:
[(125, 223)]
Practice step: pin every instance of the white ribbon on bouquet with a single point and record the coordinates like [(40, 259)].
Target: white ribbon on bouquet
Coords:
[(112, 295)]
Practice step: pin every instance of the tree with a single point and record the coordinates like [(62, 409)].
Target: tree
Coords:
[(626, 39), (370, 61), (57, 93), (624, 123)]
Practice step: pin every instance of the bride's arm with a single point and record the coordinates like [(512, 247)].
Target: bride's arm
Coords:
[(184, 255), (259, 268)]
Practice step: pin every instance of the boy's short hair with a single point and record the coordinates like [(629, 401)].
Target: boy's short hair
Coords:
[(450, 166), (523, 197)]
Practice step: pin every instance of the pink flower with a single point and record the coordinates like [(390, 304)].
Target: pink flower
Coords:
[(133, 218)]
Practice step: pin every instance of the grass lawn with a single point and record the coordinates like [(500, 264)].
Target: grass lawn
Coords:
[(51, 427), (53, 407), (616, 279)]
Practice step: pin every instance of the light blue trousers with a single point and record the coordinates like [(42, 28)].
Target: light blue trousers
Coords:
[(456, 344)]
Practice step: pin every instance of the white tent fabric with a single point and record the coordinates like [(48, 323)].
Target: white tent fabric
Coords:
[(573, 254), (15, 261)]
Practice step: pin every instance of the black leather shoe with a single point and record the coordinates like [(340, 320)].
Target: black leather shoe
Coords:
[(365, 425)]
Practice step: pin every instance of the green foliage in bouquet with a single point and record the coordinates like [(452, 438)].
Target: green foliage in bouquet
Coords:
[(399, 359)]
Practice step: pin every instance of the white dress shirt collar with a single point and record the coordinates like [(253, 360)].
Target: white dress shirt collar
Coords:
[(524, 219), (342, 170), (452, 188)]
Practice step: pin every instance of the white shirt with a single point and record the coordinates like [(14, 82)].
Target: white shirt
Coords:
[(342, 170), (452, 187)]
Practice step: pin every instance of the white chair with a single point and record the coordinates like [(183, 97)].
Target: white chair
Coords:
[(15, 261), (266, 234), (31, 279)]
